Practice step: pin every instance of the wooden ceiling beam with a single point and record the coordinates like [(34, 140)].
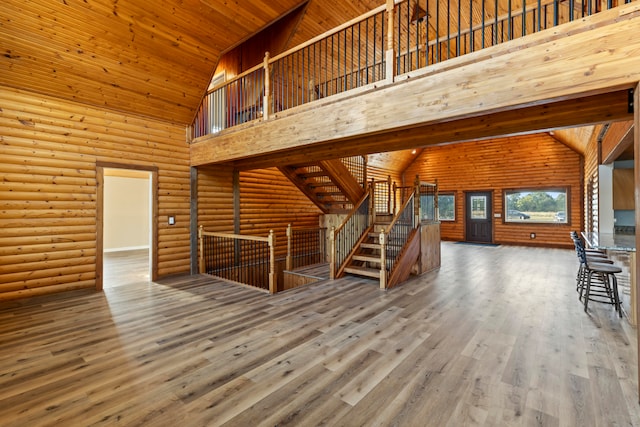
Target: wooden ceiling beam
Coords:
[(617, 143), (592, 110)]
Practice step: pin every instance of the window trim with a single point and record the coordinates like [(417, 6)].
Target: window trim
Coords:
[(549, 189), (452, 194)]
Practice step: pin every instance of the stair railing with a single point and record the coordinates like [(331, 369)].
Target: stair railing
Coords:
[(249, 260), (394, 239), (428, 206), (348, 234), (305, 246)]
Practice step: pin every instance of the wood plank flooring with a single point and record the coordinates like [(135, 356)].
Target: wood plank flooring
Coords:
[(496, 337), (123, 268)]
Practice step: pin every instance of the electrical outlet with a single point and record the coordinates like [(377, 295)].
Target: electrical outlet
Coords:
[(533, 235), (172, 220)]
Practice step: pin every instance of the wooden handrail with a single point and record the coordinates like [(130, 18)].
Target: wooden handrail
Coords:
[(235, 236), (353, 211), (330, 32), (270, 240), (397, 216), (389, 55)]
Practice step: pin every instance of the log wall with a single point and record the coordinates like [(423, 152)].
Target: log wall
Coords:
[(48, 189), (523, 162), (215, 199), (269, 201)]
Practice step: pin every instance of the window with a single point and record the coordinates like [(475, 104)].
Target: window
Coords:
[(536, 206), (478, 207), (447, 207)]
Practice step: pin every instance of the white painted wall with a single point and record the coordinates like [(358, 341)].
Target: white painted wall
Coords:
[(126, 213), (605, 199)]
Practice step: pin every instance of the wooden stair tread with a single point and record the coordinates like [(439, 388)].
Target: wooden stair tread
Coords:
[(363, 271), (312, 174), (370, 245), (367, 258)]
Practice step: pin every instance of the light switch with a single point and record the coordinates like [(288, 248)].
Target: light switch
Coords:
[(172, 220)]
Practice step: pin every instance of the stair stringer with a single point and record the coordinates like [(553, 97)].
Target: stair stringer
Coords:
[(288, 172), (406, 260)]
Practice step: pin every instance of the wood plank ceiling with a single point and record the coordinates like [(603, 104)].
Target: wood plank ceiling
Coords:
[(153, 58)]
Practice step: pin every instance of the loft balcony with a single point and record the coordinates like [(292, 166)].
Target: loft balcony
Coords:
[(409, 74)]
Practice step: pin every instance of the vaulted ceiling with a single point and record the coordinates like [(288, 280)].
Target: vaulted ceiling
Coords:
[(153, 58)]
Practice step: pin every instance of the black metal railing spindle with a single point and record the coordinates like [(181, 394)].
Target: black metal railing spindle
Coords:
[(340, 62)]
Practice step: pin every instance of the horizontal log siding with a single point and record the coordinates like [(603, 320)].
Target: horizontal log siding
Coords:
[(215, 199), (48, 192), (269, 201), (522, 162)]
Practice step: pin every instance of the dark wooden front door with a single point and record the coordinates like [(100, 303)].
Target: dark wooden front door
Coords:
[(479, 218)]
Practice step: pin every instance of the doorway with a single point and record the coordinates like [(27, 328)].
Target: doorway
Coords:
[(479, 217), (126, 230)]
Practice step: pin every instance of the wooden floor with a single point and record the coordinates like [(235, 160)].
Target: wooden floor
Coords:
[(496, 337), (123, 268)]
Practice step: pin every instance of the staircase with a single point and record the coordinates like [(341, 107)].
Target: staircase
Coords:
[(366, 259), (372, 241), (377, 244), (330, 184)]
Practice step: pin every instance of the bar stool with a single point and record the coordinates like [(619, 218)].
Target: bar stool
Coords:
[(597, 280), (592, 256), (590, 252)]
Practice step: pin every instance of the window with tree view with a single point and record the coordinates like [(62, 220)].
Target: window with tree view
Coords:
[(542, 206), (446, 207)]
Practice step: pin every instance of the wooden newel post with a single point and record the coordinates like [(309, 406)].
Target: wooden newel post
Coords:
[(416, 205), (289, 262), (372, 202), (332, 254), (266, 101), (201, 268), (389, 53), (389, 182), (365, 160), (383, 260), (436, 214), (273, 284), (395, 198)]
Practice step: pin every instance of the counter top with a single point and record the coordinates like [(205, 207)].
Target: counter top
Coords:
[(611, 241)]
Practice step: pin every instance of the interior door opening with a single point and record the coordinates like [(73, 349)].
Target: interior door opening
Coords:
[(127, 232)]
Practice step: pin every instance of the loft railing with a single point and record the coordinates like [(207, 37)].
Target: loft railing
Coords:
[(345, 237), (305, 246), (345, 58), (238, 101), (249, 260), (378, 46)]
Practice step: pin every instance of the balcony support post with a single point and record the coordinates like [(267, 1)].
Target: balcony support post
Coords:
[(389, 52), (266, 102)]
